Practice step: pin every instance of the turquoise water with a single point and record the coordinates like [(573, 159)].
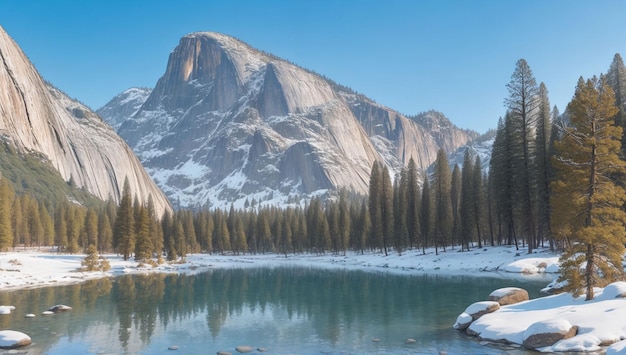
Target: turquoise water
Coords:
[(286, 310)]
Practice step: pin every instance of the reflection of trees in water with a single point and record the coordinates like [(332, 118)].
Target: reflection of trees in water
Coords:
[(329, 301)]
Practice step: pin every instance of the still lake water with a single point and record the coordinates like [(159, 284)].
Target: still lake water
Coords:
[(288, 310)]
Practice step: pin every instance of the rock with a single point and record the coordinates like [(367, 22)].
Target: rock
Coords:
[(261, 350), (59, 308), (614, 290), (39, 118), (547, 332), (410, 341), (479, 309), (244, 348), (224, 353), (11, 339), (173, 347), (6, 309), (47, 313), (508, 295), (463, 321), (375, 340), (29, 315)]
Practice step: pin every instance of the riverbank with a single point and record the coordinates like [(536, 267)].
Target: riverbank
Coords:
[(601, 324), (30, 268)]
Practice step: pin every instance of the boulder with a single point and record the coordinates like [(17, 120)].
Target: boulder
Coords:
[(11, 339), (463, 321), (244, 349), (59, 308), (224, 353), (614, 290), (546, 333), (508, 295), (6, 309), (479, 309)]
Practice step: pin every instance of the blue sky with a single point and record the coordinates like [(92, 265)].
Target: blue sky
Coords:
[(452, 56)]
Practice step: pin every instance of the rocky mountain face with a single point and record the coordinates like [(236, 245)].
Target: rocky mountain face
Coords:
[(37, 118), (227, 123), (124, 105)]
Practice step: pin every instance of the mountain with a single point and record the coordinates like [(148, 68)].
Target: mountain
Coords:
[(36, 119), (228, 123), (124, 105), (480, 146)]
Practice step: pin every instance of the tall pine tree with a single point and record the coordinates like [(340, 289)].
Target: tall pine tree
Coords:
[(587, 202)]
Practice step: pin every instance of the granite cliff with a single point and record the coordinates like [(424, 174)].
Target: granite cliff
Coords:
[(37, 118), (227, 123)]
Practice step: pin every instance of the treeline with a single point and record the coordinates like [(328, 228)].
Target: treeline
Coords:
[(549, 177)]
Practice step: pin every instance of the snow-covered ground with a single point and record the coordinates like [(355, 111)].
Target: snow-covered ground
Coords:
[(601, 321), (37, 268)]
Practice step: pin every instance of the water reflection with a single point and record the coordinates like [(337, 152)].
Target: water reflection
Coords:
[(289, 310)]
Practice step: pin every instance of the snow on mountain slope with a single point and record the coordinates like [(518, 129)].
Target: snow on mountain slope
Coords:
[(124, 105), (227, 123)]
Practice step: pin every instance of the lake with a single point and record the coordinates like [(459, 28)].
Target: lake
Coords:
[(287, 310)]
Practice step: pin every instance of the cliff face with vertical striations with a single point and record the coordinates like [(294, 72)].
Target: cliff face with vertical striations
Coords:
[(35, 117), (227, 123)]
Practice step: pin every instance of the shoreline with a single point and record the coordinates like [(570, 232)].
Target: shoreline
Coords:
[(32, 268)]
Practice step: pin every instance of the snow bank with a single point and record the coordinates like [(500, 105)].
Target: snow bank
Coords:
[(600, 322), (31, 268)]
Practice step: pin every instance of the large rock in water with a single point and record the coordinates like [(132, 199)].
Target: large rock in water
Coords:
[(227, 122), (547, 332), (11, 339), (37, 118), (508, 295)]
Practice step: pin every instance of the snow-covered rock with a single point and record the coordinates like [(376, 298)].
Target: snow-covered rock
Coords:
[(547, 332), (478, 309), (508, 295), (463, 321), (11, 339), (614, 290), (6, 309), (227, 123)]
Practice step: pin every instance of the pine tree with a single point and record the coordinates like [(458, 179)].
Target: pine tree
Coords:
[(413, 205), (124, 229), (616, 79), (426, 210), (143, 241), (345, 220), (479, 200), (467, 211), (91, 227), (523, 104), (502, 179), (6, 200), (18, 223), (60, 226), (375, 206), (443, 202), (587, 202), (400, 209), (543, 165), (387, 208), (455, 196), (105, 232)]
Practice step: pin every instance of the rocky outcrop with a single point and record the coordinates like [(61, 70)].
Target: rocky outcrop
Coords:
[(35, 117), (546, 333), (227, 123), (508, 295), (11, 339), (124, 105)]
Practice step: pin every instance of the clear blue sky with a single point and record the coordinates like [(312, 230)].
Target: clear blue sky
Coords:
[(452, 56)]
